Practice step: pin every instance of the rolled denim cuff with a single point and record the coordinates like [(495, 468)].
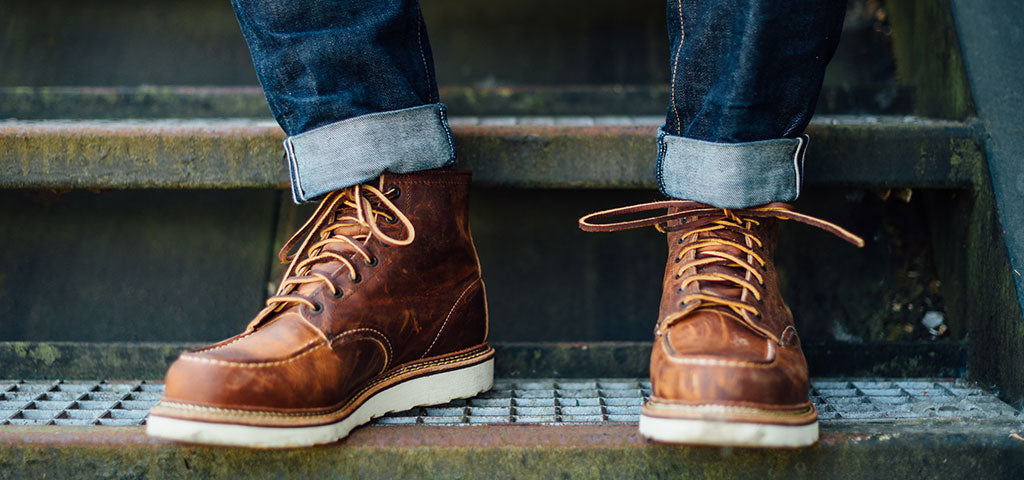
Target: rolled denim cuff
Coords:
[(356, 150), (731, 175)]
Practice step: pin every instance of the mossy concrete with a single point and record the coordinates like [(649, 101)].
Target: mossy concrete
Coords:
[(928, 57), (992, 39), (131, 265), (846, 150), (851, 451), (978, 282)]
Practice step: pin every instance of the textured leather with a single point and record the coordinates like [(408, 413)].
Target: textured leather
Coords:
[(714, 355), (414, 308), (725, 346)]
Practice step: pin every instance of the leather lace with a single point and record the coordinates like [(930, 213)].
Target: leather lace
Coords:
[(708, 232), (347, 219)]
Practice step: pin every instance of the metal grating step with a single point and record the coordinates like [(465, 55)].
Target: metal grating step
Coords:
[(526, 401)]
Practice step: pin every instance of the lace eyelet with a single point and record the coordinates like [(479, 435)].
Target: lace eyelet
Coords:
[(394, 188), (358, 278), (337, 293), (319, 308), (391, 220), (678, 260), (372, 262)]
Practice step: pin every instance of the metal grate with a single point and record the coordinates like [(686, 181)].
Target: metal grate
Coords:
[(70, 402), (547, 401)]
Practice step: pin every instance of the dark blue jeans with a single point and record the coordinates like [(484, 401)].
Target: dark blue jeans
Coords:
[(352, 85)]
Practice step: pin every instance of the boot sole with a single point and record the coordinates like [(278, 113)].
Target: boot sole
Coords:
[(430, 389), (725, 433)]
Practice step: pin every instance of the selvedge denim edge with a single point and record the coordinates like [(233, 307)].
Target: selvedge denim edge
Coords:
[(730, 175), (356, 150)]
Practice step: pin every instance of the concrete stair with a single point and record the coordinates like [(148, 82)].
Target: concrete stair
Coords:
[(506, 151), (138, 163)]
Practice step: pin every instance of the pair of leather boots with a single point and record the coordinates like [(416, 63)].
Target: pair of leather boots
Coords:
[(382, 308)]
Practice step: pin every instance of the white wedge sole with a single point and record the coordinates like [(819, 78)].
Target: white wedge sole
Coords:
[(736, 434), (430, 389)]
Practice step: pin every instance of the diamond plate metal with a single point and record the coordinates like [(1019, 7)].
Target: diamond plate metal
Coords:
[(527, 401)]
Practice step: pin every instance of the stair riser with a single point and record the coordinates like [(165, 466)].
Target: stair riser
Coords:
[(149, 361), (192, 266), (192, 42), (39, 103)]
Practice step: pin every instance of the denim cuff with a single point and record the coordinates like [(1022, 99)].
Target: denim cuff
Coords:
[(359, 149), (731, 175)]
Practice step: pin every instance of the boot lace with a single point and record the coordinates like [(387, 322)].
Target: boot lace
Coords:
[(348, 219), (712, 234)]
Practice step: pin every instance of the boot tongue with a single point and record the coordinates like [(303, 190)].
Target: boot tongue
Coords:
[(724, 289)]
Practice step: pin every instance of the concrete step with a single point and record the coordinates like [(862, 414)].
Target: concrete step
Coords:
[(544, 152), (527, 428)]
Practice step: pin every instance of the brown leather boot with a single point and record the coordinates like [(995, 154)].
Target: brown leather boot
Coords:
[(381, 309), (726, 367)]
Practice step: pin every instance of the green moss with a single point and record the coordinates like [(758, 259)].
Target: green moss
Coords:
[(928, 57), (45, 354)]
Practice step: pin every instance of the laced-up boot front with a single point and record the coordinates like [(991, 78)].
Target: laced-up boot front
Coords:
[(381, 309), (726, 367)]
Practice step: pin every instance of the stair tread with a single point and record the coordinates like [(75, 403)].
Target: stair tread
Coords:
[(856, 448), (524, 151), (553, 401)]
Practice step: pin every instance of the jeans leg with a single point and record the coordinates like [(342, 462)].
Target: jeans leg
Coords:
[(352, 85), (745, 78)]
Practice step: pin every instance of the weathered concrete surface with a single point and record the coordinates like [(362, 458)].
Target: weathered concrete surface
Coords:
[(186, 265), (928, 56), (519, 451), (863, 151), (992, 38), (149, 361), (133, 265)]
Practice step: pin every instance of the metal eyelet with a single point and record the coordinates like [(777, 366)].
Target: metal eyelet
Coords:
[(319, 308), (337, 293), (358, 278), (372, 262), (391, 220), (394, 188)]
